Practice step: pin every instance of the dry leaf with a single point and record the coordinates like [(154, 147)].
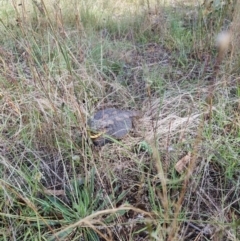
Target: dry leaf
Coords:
[(54, 192), (182, 164)]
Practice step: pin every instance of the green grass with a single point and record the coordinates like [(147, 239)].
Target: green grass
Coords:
[(59, 64)]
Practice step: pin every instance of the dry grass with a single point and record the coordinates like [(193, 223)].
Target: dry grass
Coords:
[(62, 62)]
